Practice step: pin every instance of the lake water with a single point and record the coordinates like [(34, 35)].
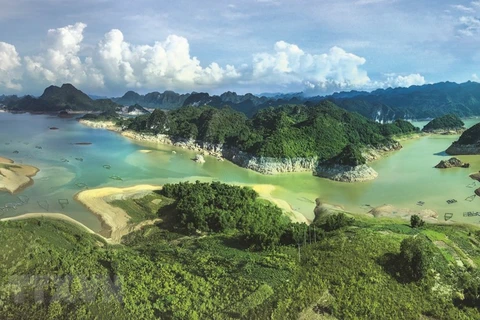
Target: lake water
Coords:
[(405, 177)]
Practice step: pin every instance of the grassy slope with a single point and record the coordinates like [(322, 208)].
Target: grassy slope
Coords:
[(170, 275)]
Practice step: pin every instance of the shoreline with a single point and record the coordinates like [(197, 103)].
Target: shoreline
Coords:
[(263, 165)]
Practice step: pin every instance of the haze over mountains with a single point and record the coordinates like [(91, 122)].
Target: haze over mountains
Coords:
[(415, 102)]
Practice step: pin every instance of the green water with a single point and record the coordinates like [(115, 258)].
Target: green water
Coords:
[(405, 177)]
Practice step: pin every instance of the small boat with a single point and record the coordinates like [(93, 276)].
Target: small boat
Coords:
[(448, 216)]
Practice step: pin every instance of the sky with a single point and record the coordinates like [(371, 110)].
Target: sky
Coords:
[(107, 47)]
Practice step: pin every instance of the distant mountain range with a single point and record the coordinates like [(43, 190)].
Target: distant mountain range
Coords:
[(55, 99), (416, 102)]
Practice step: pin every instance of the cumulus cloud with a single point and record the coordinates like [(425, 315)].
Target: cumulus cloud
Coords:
[(115, 65), (289, 64), (404, 81), (9, 67)]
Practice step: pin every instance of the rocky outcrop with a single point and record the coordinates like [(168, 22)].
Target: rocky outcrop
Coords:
[(452, 163), (109, 125), (346, 173), (199, 159), (457, 148)]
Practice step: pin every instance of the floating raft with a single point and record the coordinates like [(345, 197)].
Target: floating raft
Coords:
[(63, 202), (471, 214), (451, 201), (64, 160), (420, 203), (471, 185), (23, 199), (79, 159), (448, 216), (81, 185), (116, 178), (43, 204), (107, 166), (470, 199), (38, 147)]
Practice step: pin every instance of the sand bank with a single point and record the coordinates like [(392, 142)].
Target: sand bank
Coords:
[(115, 221), (390, 211), (15, 177), (265, 192)]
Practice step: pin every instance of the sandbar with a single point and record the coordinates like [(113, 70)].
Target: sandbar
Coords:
[(15, 177)]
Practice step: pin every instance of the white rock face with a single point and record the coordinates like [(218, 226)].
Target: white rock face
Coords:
[(346, 173)]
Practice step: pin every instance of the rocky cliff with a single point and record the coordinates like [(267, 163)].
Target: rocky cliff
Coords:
[(346, 173)]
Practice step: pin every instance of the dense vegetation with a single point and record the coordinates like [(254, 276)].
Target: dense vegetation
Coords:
[(217, 207), (321, 131), (446, 122), (470, 136), (348, 273)]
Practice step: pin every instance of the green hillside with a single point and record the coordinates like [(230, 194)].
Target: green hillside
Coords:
[(361, 268)]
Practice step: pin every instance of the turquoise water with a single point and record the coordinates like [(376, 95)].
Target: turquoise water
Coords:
[(405, 177)]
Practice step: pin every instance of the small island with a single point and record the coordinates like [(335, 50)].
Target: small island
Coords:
[(452, 163), (14, 177), (468, 143), (446, 124)]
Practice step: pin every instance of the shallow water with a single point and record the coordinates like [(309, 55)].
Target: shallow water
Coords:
[(405, 177)]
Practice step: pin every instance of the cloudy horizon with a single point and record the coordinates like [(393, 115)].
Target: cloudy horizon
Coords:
[(109, 47)]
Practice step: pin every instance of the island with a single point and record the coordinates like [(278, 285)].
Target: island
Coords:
[(468, 143), (446, 124), (291, 138), (15, 177)]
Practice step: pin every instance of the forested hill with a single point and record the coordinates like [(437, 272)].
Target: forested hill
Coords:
[(55, 99), (416, 102), (320, 131)]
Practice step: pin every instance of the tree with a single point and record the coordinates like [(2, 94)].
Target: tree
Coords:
[(416, 221), (415, 258)]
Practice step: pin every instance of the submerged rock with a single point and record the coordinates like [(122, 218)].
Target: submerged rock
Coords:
[(452, 163)]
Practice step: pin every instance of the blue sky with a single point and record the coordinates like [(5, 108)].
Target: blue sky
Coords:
[(110, 46)]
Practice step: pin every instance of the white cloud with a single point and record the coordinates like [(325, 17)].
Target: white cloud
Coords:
[(469, 25), (404, 81), (61, 62), (463, 8), (115, 63), (9, 67), (289, 64)]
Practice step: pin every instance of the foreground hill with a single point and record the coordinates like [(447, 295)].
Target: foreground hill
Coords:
[(55, 99), (338, 267)]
